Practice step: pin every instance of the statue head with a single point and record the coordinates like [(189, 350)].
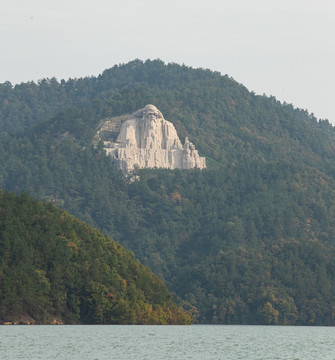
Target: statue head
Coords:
[(149, 112)]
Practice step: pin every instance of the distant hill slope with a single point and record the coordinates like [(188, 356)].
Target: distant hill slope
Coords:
[(54, 268), (249, 240), (224, 118)]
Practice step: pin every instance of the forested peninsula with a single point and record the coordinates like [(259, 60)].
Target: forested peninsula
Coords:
[(54, 269), (248, 240)]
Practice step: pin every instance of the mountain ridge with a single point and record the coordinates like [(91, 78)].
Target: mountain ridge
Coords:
[(221, 238)]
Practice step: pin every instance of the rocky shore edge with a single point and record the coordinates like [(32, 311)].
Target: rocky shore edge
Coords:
[(28, 320)]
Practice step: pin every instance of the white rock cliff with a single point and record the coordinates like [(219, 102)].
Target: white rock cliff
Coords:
[(147, 140)]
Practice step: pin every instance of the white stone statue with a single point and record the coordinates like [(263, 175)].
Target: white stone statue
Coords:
[(147, 140)]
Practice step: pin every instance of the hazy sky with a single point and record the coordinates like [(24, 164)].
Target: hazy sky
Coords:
[(284, 48)]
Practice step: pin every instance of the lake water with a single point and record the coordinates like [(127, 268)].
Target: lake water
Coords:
[(166, 342)]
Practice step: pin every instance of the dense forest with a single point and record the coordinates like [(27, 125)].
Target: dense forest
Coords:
[(55, 268), (249, 240)]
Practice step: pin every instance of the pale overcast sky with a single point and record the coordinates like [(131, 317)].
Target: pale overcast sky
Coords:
[(284, 48)]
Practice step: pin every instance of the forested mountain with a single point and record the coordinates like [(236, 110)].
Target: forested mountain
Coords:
[(248, 240), (54, 268)]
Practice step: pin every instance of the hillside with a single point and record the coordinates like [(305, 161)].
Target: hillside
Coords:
[(248, 240), (56, 269)]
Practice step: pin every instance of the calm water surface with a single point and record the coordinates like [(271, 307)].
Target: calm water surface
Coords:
[(166, 342)]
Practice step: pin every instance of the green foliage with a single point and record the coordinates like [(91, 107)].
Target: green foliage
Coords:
[(249, 240), (54, 266)]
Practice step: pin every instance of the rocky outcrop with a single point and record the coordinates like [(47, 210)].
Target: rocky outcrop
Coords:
[(147, 140)]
